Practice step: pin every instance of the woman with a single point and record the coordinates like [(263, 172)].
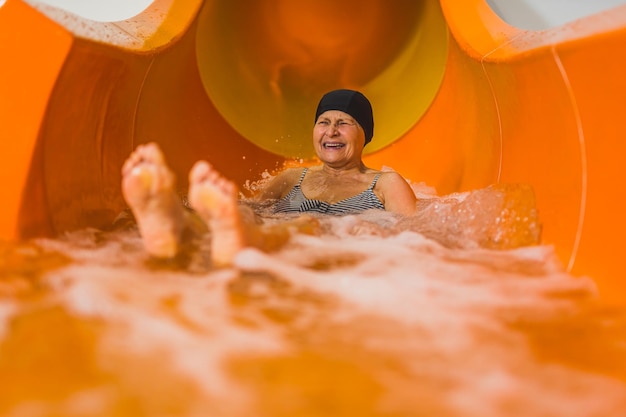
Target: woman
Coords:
[(341, 185)]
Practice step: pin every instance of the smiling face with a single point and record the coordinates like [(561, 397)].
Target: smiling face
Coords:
[(338, 139)]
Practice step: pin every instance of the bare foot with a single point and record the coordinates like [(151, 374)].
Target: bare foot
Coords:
[(215, 199), (148, 187)]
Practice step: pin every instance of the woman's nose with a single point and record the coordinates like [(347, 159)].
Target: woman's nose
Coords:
[(331, 130)]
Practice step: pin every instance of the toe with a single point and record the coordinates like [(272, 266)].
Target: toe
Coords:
[(199, 172)]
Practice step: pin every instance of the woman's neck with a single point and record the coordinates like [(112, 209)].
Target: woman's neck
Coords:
[(348, 169)]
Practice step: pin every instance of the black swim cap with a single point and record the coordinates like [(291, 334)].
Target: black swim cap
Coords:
[(352, 102)]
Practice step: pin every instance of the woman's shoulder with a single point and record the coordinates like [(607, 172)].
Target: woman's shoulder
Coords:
[(389, 173), (389, 176), (281, 183), (392, 181), (397, 194), (291, 173)]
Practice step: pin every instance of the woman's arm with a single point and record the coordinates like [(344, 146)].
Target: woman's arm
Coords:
[(397, 194)]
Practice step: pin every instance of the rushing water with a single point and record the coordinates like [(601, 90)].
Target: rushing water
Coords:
[(456, 312)]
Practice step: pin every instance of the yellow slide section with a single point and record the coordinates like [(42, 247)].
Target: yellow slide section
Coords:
[(462, 101)]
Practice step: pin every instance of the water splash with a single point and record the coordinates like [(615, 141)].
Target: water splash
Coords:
[(375, 315)]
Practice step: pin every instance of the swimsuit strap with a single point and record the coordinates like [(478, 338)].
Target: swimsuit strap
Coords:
[(375, 181), (302, 177)]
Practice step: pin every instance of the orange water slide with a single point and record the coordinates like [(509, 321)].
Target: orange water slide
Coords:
[(462, 100)]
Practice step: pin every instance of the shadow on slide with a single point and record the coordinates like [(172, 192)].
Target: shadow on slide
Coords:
[(462, 100)]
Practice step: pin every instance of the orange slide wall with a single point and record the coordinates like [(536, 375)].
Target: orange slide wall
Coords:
[(544, 108)]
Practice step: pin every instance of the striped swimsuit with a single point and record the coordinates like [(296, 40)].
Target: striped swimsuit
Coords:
[(296, 202)]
